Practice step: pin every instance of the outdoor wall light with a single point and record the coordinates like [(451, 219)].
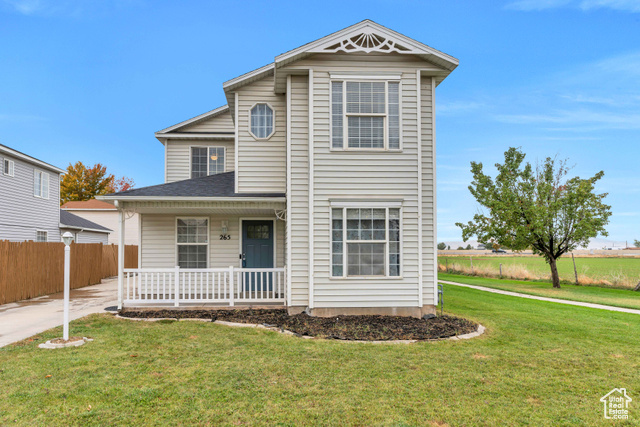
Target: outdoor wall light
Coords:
[(225, 227), (67, 238)]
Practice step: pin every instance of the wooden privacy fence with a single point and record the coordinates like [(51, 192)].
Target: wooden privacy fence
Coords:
[(30, 269)]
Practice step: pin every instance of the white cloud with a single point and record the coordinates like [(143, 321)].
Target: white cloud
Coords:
[(585, 5), (25, 7), (73, 8)]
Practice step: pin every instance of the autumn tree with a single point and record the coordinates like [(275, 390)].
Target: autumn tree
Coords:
[(538, 208), (120, 184)]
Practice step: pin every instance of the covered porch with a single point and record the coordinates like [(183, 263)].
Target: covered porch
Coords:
[(203, 249)]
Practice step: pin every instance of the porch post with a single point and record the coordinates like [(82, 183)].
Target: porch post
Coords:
[(231, 287), (176, 286), (121, 257)]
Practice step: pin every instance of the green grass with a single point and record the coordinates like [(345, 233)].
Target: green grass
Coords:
[(614, 270), (608, 296), (539, 364)]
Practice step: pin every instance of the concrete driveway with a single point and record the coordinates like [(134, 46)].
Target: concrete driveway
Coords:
[(22, 319)]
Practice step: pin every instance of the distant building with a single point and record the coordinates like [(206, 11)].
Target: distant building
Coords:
[(106, 215)]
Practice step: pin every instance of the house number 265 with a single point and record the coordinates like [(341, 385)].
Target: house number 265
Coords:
[(225, 237)]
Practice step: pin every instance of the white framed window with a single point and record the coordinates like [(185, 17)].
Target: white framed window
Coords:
[(42, 236), (365, 115), (262, 121), (207, 161), (365, 242), (192, 242), (8, 167), (40, 184)]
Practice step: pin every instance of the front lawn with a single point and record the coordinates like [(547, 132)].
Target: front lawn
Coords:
[(538, 364), (594, 294)]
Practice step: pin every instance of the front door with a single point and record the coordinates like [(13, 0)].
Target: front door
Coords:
[(257, 252)]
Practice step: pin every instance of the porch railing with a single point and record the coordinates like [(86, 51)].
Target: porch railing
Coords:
[(228, 286)]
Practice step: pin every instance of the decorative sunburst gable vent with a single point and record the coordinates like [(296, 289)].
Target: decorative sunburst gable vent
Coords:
[(365, 42)]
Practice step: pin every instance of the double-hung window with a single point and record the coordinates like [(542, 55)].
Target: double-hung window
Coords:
[(40, 184), (365, 242), (207, 161), (8, 167), (42, 236), (192, 241), (365, 115)]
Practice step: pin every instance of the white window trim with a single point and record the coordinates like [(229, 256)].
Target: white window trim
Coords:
[(46, 235), (192, 244), (363, 205), (273, 128), (191, 147), (40, 196), (345, 123), (11, 170)]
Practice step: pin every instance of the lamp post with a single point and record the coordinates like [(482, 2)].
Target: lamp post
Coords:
[(67, 238)]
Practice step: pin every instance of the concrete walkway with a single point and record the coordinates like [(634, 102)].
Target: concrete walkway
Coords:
[(556, 300), (22, 319)]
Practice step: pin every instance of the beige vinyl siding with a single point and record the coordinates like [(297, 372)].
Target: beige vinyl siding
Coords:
[(261, 163), (220, 123), (159, 241), (428, 205), (178, 165), (299, 194), (364, 174)]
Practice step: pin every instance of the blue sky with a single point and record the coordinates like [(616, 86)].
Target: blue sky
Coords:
[(92, 80)]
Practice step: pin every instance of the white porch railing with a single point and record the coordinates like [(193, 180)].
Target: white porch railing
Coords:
[(177, 286)]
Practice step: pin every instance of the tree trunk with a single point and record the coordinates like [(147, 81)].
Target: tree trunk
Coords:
[(555, 278)]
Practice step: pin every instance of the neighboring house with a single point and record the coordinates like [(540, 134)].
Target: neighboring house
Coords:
[(313, 188), (29, 198), (105, 214), (83, 230)]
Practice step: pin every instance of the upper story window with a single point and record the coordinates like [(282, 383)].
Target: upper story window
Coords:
[(207, 161), (40, 184), (262, 120), (8, 167), (365, 115)]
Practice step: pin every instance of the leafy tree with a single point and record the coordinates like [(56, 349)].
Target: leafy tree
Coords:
[(120, 184), (442, 246), (84, 183), (538, 208), (636, 243), (468, 248), (449, 247), (460, 248)]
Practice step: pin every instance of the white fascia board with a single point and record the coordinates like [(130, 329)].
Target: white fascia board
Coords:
[(89, 210), (187, 135), (95, 230), (191, 199), (208, 114), (359, 75), (236, 82), (29, 159)]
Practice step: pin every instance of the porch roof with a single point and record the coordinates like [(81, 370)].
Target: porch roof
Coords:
[(220, 186)]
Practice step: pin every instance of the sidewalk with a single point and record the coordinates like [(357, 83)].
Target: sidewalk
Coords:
[(22, 319), (556, 300)]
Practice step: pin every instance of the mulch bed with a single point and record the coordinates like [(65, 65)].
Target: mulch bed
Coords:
[(368, 328)]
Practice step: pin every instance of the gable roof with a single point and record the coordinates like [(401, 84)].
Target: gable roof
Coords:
[(29, 159), (221, 185), (88, 204), (69, 220), (173, 130), (365, 36)]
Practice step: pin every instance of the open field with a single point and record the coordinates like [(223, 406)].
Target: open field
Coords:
[(539, 363), (594, 294), (618, 272)]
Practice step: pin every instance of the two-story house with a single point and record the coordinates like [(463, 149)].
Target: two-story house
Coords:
[(30, 203), (314, 187)]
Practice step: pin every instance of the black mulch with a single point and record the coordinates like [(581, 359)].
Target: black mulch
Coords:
[(368, 328)]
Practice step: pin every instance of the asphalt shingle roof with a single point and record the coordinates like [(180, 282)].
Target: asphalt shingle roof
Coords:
[(219, 185), (71, 220)]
